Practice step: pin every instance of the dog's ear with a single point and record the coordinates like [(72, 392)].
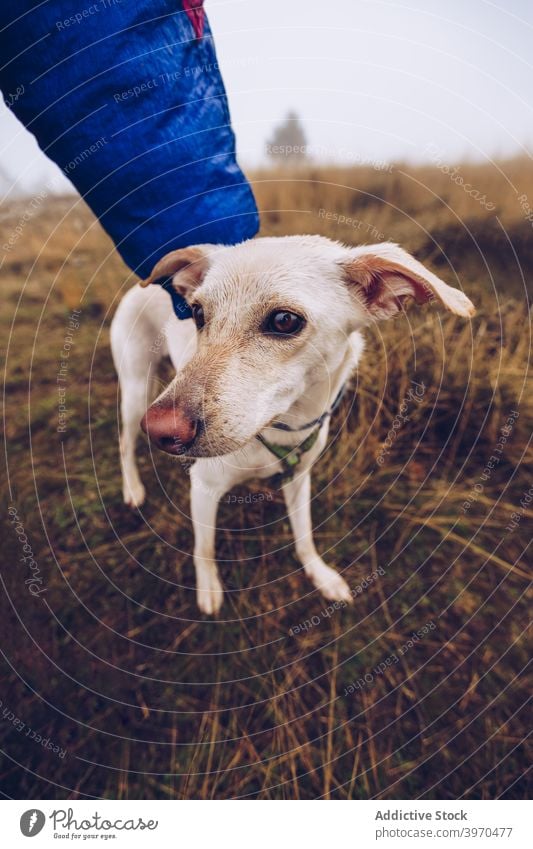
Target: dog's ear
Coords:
[(383, 276), (187, 267)]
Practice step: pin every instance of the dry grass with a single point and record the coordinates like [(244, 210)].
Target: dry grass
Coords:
[(112, 662)]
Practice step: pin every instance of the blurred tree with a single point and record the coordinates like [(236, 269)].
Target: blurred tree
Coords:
[(288, 142)]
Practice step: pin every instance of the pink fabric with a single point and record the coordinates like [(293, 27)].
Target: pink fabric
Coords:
[(196, 14)]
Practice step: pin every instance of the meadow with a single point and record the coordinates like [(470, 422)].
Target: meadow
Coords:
[(113, 686)]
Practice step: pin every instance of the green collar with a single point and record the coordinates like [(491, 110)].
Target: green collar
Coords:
[(290, 455)]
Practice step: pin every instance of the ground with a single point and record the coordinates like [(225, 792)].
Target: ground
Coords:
[(114, 685)]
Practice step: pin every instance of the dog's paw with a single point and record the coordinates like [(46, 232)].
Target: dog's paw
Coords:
[(331, 584), (134, 495), (210, 595)]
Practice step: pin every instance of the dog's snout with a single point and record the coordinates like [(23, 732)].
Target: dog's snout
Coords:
[(172, 429)]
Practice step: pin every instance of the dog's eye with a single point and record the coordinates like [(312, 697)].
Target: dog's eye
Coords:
[(284, 322), (198, 315)]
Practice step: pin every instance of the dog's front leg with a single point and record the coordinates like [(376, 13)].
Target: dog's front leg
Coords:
[(204, 505), (297, 492)]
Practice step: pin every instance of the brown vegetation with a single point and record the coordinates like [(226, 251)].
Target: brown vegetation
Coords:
[(113, 663)]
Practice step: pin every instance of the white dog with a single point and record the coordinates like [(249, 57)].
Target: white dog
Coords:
[(275, 335)]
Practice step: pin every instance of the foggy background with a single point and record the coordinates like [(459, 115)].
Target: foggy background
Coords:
[(371, 80)]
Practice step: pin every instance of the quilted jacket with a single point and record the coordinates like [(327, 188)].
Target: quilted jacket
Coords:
[(126, 97)]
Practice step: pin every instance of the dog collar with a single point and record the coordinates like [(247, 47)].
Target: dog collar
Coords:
[(318, 421), (180, 306), (290, 455)]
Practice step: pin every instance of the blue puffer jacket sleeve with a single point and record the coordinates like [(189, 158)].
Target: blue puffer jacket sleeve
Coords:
[(127, 98)]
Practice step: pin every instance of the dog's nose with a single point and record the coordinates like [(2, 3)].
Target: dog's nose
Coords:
[(170, 428)]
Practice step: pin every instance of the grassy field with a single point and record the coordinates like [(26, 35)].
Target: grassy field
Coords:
[(112, 684)]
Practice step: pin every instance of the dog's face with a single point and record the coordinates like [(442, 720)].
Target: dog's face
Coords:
[(273, 317)]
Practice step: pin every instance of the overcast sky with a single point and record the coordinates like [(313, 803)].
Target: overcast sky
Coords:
[(370, 79)]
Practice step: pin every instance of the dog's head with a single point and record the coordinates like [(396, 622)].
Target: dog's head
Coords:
[(273, 318)]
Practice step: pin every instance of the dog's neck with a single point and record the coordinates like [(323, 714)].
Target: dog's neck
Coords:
[(305, 412)]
